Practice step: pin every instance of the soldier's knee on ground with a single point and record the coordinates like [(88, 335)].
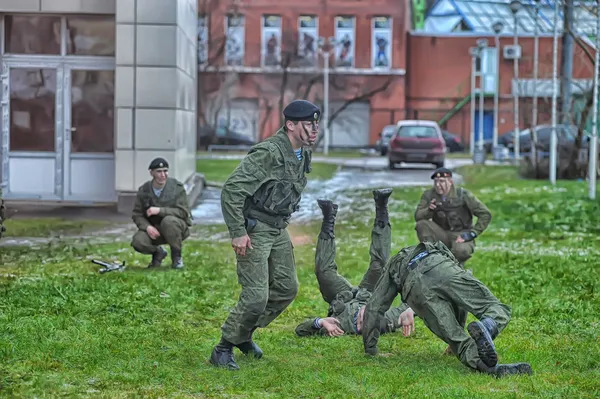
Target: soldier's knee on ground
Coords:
[(462, 251), (424, 230)]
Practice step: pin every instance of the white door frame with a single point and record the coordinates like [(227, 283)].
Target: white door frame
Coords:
[(62, 154), (68, 129)]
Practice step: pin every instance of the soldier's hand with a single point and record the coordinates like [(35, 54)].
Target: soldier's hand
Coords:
[(153, 232), (432, 205), (407, 320), (240, 244), (332, 325), (152, 211)]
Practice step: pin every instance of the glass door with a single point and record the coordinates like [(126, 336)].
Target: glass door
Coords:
[(31, 118), (89, 160)]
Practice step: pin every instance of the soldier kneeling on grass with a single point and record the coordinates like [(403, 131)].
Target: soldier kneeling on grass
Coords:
[(162, 215), (429, 279)]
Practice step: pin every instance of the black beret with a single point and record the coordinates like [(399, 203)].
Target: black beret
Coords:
[(441, 172), (302, 110), (158, 163)]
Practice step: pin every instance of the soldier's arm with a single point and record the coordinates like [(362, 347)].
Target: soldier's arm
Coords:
[(380, 301), (478, 208), (180, 208), (138, 213), (310, 327), (243, 182), (423, 212), (392, 317)]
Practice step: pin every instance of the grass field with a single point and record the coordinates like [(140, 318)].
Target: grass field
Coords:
[(66, 330)]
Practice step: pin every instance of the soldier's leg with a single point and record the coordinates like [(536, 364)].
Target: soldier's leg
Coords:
[(143, 244), (329, 280), (468, 293), (428, 230), (253, 276), (381, 240), (283, 280), (463, 250), (174, 231)]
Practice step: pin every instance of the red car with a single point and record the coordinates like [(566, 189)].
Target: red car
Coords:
[(417, 142)]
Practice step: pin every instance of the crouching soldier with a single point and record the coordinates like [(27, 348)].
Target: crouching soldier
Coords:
[(430, 280), (346, 302), (162, 215), (445, 213)]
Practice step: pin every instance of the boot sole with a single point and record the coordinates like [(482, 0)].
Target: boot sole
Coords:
[(484, 342)]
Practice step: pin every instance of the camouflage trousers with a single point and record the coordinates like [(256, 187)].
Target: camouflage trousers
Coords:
[(331, 282), (173, 231), (428, 230), (441, 297), (267, 274)]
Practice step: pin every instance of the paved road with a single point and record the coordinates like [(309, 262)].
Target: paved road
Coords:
[(355, 174)]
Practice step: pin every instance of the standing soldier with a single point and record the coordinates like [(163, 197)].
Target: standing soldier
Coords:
[(428, 278), (162, 215), (445, 213), (258, 200)]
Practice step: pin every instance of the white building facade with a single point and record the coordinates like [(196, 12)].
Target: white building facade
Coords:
[(92, 91)]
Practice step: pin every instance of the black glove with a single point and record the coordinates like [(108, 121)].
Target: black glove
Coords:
[(468, 236)]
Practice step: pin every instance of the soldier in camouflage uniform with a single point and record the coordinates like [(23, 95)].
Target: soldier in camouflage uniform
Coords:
[(445, 213), (347, 303), (430, 280), (258, 200), (162, 215)]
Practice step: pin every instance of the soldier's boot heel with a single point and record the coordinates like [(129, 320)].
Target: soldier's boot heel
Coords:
[(250, 349), (483, 333), (222, 356), (503, 370), (177, 260), (157, 257), (381, 198), (329, 210)]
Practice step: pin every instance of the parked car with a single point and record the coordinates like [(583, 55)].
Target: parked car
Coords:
[(208, 135), (453, 142), (503, 140), (417, 141), (384, 139)]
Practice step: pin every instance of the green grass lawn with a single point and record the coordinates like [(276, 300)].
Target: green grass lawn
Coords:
[(66, 330), (46, 227)]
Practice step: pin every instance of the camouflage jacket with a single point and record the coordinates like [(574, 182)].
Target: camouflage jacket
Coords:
[(345, 309), (173, 201), (456, 212), (399, 278), (267, 185)]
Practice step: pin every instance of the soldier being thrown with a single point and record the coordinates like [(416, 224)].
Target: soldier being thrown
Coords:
[(430, 280), (347, 303), (162, 215)]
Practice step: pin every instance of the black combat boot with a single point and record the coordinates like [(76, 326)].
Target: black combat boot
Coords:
[(249, 348), (157, 257), (483, 333), (382, 217), (329, 210), (222, 355), (176, 258), (503, 370)]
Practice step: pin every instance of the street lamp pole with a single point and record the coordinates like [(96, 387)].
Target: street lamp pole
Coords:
[(553, 138), (326, 48), (534, 109), (498, 26), (474, 51), (515, 6), (593, 157)]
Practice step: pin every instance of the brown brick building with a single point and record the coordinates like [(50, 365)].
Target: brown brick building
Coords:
[(258, 55)]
